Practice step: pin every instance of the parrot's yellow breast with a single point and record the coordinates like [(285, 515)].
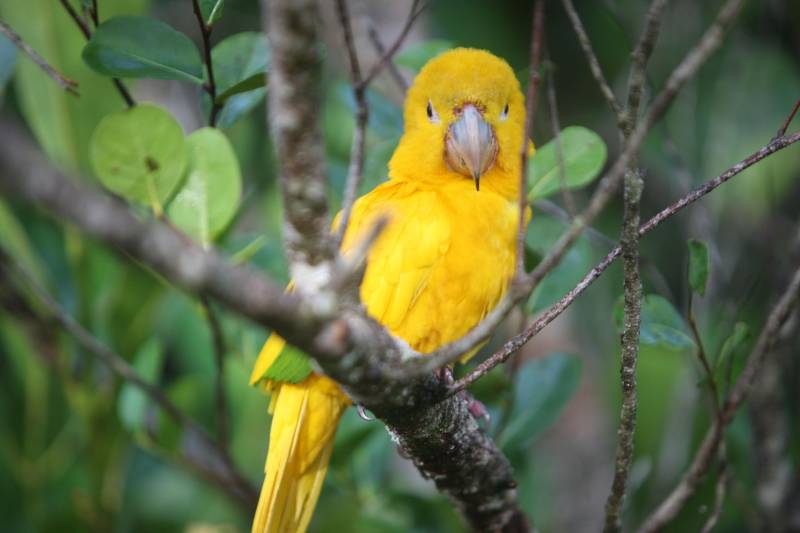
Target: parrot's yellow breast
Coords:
[(442, 263)]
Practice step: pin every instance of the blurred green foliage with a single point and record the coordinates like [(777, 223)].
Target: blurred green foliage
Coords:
[(82, 451)]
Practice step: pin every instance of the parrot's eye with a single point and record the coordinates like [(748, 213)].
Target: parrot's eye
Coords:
[(432, 116), (504, 114)]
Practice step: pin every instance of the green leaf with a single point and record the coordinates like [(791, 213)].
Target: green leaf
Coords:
[(240, 65), (698, 266), (542, 389), (142, 47), (583, 153), (662, 325), (209, 197), (291, 366), (253, 82), (133, 402), (415, 56), (8, 60), (211, 10), (140, 154)]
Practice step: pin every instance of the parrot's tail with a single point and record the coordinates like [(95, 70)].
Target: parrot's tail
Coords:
[(304, 420)]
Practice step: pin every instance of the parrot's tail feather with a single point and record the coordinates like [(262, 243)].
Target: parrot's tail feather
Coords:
[(304, 424)]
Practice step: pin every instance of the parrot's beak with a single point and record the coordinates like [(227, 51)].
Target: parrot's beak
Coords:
[(470, 145)]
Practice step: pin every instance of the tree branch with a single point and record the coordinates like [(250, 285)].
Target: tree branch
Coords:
[(356, 169), (594, 64), (416, 11), (534, 63), (65, 83), (218, 341)]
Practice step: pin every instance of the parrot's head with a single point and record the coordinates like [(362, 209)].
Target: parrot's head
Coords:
[(464, 120)]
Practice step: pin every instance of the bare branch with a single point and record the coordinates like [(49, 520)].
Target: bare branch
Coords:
[(591, 57), (390, 64), (417, 7), (703, 459), (534, 62), (213, 463), (782, 131), (639, 58), (356, 169), (294, 99), (65, 83), (555, 128), (515, 343)]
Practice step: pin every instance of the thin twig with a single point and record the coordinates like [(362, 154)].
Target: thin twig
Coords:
[(87, 33), (218, 466), (372, 32), (632, 281), (515, 343), (719, 490), (95, 14), (65, 83), (639, 58), (555, 126), (356, 169), (703, 358), (218, 341), (534, 62), (788, 121), (594, 64), (416, 10), (704, 457), (211, 86)]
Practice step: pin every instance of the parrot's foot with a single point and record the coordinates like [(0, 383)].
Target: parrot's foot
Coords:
[(445, 374), (477, 409), (362, 413)]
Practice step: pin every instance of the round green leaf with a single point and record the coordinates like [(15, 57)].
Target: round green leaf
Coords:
[(142, 47), (240, 66), (583, 153), (542, 389), (209, 197), (140, 154), (415, 56)]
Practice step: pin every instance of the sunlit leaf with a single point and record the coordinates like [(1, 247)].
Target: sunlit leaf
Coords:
[(541, 390), (133, 402), (698, 266), (208, 199), (416, 55), (143, 47), (583, 154), (240, 65), (140, 154), (662, 325), (211, 10)]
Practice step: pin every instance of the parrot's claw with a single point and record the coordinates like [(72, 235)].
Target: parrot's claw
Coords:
[(477, 409), (445, 374), (362, 413)]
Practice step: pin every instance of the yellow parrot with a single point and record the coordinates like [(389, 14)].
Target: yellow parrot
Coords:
[(443, 262)]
